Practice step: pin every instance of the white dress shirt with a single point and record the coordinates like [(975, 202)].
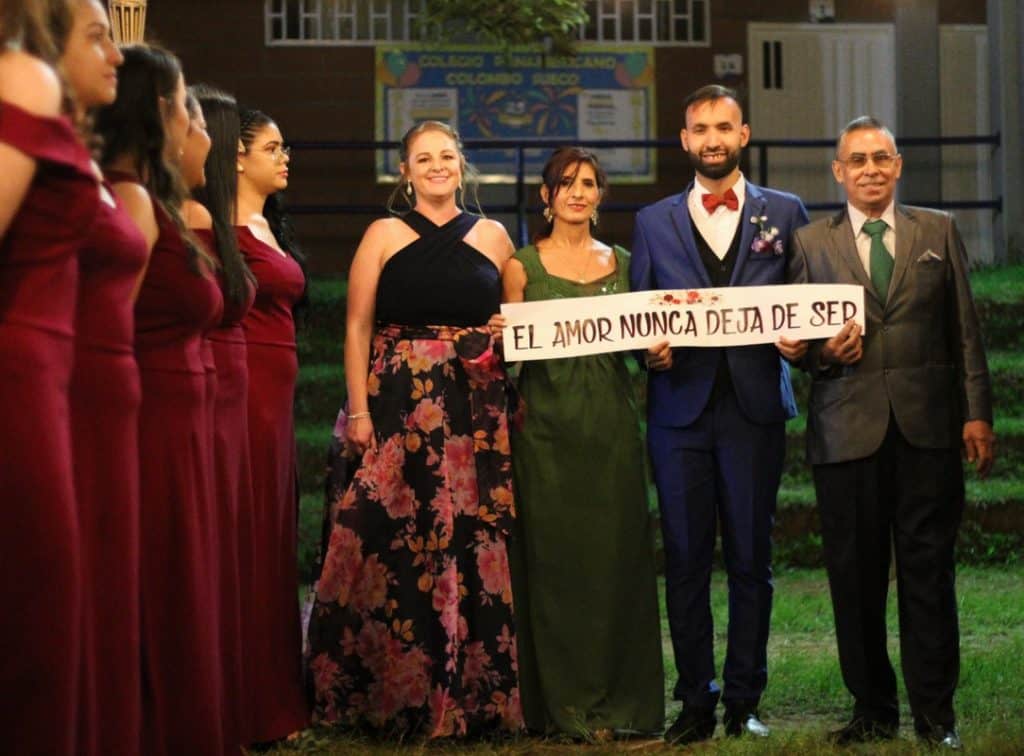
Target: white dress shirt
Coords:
[(863, 240), (717, 228)]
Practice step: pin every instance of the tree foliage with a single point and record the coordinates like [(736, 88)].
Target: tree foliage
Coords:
[(553, 24)]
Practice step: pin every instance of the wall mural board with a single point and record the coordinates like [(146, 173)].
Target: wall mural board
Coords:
[(604, 92)]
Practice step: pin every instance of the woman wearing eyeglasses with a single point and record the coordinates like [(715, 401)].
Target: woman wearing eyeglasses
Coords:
[(272, 666)]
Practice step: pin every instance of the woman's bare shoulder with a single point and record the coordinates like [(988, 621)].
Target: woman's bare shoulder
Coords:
[(492, 229), (492, 238), (29, 83), (196, 215), (384, 227)]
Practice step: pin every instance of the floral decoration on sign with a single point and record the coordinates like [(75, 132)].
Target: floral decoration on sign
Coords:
[(767, 240), (689, 297)]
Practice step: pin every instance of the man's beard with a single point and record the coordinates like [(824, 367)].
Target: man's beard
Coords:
[(715, 171)]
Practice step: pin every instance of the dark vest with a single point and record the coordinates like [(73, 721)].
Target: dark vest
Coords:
[(720, 273)]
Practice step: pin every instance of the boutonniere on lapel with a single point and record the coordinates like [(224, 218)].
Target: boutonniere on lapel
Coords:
[(767, 241)]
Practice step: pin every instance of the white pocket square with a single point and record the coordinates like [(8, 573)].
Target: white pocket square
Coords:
[(929, 256)]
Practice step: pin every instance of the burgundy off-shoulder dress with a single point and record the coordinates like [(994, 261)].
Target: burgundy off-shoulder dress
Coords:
[(233, 494), (182, 685), (105, 398), (40, 541)]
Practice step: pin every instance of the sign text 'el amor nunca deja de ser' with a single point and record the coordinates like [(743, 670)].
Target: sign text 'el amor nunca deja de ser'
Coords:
[(731, 316)]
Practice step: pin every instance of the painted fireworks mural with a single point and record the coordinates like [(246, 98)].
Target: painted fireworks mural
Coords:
[(489, 94)]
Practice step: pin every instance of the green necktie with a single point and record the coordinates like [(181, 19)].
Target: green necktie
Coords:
[(881, 262)]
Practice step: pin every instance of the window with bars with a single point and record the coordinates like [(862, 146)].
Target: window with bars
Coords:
[(658, 22), (369, 22)]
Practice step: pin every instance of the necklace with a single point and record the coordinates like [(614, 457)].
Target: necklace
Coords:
[(581, 276), (575, 271)]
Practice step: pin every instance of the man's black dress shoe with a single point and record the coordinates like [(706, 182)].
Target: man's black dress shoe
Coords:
[(738, 720), (945, 738), (862, 730), (691, 726)]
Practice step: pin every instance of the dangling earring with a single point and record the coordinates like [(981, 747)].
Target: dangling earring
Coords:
[(548, 215), (593, 217), (408, 188)]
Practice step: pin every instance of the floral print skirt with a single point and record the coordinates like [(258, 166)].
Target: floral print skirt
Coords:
[(411, 630)]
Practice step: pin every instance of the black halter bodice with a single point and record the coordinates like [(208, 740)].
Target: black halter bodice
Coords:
[(438, 279)]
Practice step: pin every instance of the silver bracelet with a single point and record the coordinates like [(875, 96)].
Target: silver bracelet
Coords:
[(357, 415)]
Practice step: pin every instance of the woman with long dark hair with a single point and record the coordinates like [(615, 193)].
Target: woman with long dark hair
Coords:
[(105, 397), (192, 167), (210, 214), (144, 133), (48, 200), (273, 653), (583, 567), (412, 631)]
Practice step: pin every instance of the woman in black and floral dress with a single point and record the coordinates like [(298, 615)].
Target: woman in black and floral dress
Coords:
[(412, 631)]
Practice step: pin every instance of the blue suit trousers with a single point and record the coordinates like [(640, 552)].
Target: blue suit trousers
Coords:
[(722, 469)]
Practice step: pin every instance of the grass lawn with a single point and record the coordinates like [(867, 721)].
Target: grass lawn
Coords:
[(1004, 284), (805, 696)]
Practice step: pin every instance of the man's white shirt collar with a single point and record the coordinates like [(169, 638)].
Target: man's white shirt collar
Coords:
[(858, 219), (718, 228)]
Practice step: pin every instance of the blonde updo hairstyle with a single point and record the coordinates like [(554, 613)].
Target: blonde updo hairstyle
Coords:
[(470, 177)]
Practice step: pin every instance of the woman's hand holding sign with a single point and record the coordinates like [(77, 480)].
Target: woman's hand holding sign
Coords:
[(497, 325), (659, 356)]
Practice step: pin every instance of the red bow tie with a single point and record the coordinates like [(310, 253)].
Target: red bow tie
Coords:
[(712, 201)]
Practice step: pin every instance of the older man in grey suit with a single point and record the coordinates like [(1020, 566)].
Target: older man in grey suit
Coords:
[(890, 410)]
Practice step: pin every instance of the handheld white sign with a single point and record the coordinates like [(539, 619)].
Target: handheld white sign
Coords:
[(731, 316)]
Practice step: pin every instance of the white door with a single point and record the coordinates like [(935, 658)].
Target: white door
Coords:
[(807, 81), (967, 170)]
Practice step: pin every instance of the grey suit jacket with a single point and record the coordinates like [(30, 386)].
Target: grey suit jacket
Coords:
[(923, 354)]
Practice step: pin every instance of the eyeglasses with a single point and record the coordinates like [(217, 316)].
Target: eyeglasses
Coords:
[(881, 160), (278, 152)]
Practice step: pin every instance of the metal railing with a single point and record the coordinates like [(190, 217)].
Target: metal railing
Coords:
[(522, 209)]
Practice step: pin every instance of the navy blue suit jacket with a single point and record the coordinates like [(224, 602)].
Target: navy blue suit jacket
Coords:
[(665, 256)]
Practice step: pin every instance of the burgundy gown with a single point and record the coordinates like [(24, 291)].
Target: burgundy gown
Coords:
[(273, 641), (105, 397), (212, 532), (182, 699), (233, 494), (39, 541)]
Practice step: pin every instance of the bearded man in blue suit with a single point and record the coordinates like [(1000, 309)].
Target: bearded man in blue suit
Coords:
[(716, 416)]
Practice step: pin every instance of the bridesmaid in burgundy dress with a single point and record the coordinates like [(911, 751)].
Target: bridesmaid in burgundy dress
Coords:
[(144, 132), (105, 396), (210, 215), (193, 174), (48, 199), (273, 640)]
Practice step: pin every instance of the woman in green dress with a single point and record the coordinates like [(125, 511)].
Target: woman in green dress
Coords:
[(583, 558)]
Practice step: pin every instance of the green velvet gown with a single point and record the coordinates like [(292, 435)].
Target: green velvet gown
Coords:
[(582, 557)]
